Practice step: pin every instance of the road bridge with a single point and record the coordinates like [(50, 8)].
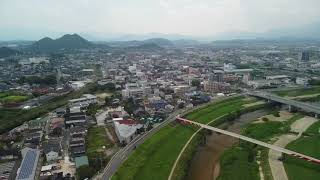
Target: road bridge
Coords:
[(290, 102), (260, 143)]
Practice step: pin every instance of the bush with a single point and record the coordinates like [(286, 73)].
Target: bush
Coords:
[(276, 114), (84, 172), (265, 119)]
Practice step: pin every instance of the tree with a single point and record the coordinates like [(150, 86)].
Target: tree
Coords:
[(129, 105), (276, 114), (195, 83), (84, 172), (108, 100)]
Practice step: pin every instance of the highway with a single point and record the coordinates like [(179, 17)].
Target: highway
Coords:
[(301, 105), (270, 146)]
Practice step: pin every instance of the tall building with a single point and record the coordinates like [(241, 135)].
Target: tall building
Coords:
[(305, 56), (217, 76)]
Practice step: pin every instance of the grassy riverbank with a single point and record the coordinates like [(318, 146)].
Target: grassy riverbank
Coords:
[(154, 158)]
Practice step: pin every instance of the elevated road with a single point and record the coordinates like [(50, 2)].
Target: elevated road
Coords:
[(292, 103), (260, 143)]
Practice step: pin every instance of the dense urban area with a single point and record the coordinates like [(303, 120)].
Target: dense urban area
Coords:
[(77, 109)]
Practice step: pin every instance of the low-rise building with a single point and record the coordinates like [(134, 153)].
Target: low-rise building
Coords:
[(29, 165), (126, 129), (84, 101), (52, 149)]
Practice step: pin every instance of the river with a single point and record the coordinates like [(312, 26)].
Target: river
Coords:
[(205, 163)]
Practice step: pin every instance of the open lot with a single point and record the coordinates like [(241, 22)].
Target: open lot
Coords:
[(96, 139), (154, 158)]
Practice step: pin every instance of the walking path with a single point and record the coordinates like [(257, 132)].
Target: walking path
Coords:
[(277, 168)]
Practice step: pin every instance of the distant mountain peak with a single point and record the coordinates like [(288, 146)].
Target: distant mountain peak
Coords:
[(67, 41), (6, 52)]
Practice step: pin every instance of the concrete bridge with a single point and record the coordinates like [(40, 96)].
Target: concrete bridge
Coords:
[(291, 103)]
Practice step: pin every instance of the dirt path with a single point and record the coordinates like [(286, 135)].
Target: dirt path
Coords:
[(110, 135), (277, 168)]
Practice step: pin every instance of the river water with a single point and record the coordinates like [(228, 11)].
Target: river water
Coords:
[(205, 162)]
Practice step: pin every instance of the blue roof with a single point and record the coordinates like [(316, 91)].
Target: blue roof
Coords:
[(80, 161), (29, 165)]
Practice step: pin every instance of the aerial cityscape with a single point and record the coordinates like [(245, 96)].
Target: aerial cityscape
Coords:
[(159, 90)]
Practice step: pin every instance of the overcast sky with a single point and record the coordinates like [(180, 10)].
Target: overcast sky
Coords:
[(187, 17)]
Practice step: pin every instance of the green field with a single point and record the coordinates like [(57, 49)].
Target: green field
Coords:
[(13, 97), (154, 158), (236, 164), (96, 138), (299, 92), (298, 169)]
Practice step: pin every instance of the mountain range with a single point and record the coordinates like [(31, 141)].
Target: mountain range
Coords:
[(66, 42), (6, 52)]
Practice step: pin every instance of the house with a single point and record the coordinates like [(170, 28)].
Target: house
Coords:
[(75, 142), (78, 151), (75, 117), (7, 170), (52, 149), (33, 138), (78, 131)]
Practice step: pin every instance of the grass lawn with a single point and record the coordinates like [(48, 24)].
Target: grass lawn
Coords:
[(235, 162), (97, 138), (263, 131), (153, 160), (299, 92), (236, 166), (314, 129), (14, 99), (310, 145)]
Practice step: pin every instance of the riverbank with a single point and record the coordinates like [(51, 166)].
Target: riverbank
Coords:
[(156, 156), (205, 163)]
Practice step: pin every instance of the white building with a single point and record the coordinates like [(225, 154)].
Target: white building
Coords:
[(302, 81), (126, 129), (85, 100)]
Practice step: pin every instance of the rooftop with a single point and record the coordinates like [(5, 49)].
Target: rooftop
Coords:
[(80, 161), (28, 166)]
